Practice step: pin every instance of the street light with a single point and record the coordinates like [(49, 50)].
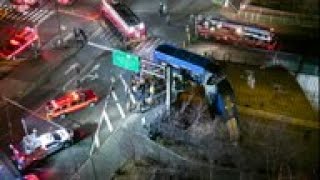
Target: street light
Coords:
[(60, 40)]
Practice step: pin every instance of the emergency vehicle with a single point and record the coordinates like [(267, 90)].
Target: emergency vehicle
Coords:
[(126, 22), (24, 5), (35, 147), (70, 102), (18, 41), (236, 33)]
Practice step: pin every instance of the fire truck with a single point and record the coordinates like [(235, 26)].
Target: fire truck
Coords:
[(18, 41), (70, 102), (236, 33), (24, 5), (126, 22)]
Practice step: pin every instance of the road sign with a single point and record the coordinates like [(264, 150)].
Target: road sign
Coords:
[(125, 60)]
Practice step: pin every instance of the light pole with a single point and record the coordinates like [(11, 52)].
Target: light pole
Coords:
[(60, 40), (226, 3), (188, 34), (168, 88)]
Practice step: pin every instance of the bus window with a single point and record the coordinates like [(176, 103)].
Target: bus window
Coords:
[(212, 80)]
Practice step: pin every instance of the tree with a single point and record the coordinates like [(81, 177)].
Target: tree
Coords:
[(269, 148)]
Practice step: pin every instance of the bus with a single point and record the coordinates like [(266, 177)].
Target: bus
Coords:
[(204, 72)]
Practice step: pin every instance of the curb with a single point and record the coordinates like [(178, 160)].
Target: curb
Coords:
[(279, 118)]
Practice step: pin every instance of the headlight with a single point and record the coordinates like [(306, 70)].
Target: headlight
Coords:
[(137, 34), (141, 26), (239, 30), (212, 29), (131, 29), (219, 25)]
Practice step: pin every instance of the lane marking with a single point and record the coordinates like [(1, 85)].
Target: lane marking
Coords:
[(74, 78), (99, 30), (107, 119), (99, 46), (88, 17), (118, 105), (127, 89), (47, 16), (71, 68)]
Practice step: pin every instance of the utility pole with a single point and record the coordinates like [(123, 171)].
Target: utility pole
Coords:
[(60, 40), (168, 88), (226, 3), (196, 19), (188, 34)]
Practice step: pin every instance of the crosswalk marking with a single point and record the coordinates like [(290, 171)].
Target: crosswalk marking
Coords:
[(35, 16), (127, 89), (45, 17), (91, 17), (118, 105)]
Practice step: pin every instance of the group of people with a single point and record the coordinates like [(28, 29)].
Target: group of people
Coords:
[(143, 90)]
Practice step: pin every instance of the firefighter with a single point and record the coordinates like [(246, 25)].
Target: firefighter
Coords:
[(168, 21), (134, 90), (83, 35), (161, 8), (150, 99), (80, 36)]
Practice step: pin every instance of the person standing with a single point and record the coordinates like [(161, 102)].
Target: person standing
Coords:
[(80, 36), (83, 35), (161, 8)]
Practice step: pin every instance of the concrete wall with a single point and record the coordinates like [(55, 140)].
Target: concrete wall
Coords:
[(310, 86)]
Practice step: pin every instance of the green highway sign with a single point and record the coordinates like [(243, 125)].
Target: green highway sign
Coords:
[(126, 60)]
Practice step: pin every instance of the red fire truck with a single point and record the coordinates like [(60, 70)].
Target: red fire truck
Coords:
[(231, 32), (70, 102), (24, 5), (17, 41), (126, 22)]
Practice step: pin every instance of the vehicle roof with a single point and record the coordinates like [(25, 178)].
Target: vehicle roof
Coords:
[(246, 26), (126, 14), (189, 57), (46, 138)]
